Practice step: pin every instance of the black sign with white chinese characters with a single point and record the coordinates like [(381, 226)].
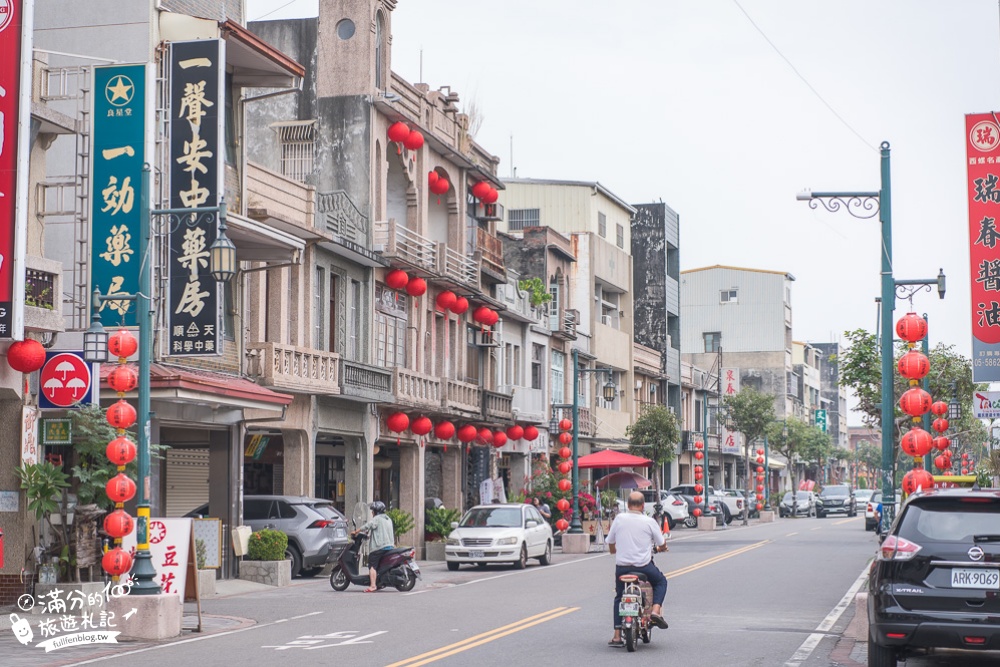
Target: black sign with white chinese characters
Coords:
[(197, 106)]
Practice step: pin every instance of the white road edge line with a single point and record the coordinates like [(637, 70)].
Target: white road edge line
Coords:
[(813, 640), (192, 639)]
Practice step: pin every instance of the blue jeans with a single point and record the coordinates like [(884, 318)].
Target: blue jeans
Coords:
[(654, 576)]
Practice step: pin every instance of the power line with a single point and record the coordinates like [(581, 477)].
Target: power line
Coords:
[(803, 79), (290, 2)]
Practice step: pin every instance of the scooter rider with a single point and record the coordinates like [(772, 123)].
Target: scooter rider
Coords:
[(629, 540), (380, 539)]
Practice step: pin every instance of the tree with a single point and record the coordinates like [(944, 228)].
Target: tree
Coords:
[(750, 412), (790, 439), (654, 435), (816, 447), (870, 456)]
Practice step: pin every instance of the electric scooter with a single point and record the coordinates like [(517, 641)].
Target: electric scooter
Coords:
[(397, 568)]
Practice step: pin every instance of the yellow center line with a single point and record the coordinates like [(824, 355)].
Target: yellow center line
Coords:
[(791, 534), (715, 559), (484, 637)]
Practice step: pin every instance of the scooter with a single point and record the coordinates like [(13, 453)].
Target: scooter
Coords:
[(397, 569), (635, 609)]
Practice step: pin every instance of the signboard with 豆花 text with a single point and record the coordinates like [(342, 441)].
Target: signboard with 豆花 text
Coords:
[(982, 134)]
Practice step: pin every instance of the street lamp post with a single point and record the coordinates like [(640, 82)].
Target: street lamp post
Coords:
[(222, 257)]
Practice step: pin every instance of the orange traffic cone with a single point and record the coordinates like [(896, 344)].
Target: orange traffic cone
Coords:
[(666, 528)]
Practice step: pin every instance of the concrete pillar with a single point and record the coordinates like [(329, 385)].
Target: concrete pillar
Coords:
[(299, 459), (16, 526), (519, 473), (411, 492), (451, 478), (357, 473)]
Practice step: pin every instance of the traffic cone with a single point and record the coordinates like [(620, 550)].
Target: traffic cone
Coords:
[(666, 528)]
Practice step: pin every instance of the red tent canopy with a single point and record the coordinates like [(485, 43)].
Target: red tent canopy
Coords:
[(612, 459)]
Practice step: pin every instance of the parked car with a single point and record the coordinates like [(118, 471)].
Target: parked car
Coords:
[(861, 498), (871, 518), (715, 508), (735, 500), (499, 534), (689, 490), (316, 531), (801, 503), (935, 582), (836, 499), (673, 506)]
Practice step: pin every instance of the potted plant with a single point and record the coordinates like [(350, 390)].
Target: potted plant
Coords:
[(437, 527), (265, 561), (44, 485)]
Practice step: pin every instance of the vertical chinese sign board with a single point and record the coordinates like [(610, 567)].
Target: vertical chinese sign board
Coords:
[(982, 135), (15, 100), (196, 181), (117, 155)]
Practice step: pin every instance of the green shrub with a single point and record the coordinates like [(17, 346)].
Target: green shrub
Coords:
[(438, 522), (402, 522), (267, 544)]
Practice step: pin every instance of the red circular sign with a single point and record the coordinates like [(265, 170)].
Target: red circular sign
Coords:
[(6, 13), (65, 380)]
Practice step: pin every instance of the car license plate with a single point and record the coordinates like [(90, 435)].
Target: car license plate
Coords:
[(975, 578), (476, 554), (628, 609)]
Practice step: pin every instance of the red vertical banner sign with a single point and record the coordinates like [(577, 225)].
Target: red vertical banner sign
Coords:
[(13, 182), (982, 132)]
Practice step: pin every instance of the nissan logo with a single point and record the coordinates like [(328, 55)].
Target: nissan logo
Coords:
[(975, 553)]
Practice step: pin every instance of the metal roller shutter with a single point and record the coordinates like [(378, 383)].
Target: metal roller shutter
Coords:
[(187, 479)]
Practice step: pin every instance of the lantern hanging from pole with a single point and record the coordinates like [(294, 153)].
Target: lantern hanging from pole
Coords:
[(941, 443), (492, 317), (444, 430), (760, 452), (940, 425), (499, 439), (491, 196), (915, 401), (26, 356), (122, 344), (480, 190), (939, 408), (515, 432), (562, 505), (121, 451), (760, 469), (697, 499), (913, 365), (917, 479), (414, 140), (485, 436), (699, 444), (911, 327), (118, 524), (421, 426), (965, 455), (565, 484), (965, 471), (696, 511), (397, 423), (480, 315), (121, 414), (396, 279), (432, 177), (116, 562), (467, 433), (562, 524), (760, 488), (123, 378), (760, 459), (461, 305), (530, 433), (120, 488), (398, 132), (565, 453), (416, 287), (698, 488), (916, 442), (699, 455), (565, 438), (445, 300), (565, 467), (565, 425)]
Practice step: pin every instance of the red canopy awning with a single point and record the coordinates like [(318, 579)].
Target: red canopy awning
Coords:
[(609, 458)]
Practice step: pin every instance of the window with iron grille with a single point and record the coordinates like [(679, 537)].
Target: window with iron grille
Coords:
[(519, 218), (602, 225), (298, 147), (620, 235)]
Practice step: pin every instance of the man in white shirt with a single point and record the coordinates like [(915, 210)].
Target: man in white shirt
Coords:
[(631, 540)]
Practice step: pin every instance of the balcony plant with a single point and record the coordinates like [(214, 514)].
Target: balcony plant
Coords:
[(538, 295)]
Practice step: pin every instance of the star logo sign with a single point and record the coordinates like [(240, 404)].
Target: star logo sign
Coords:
[(119, 90)]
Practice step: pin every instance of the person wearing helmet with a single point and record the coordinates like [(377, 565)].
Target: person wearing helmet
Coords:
[(380, 540)]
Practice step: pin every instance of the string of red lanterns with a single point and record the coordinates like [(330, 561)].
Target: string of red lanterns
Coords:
[(120, 451), (565, 467), (915, 402)]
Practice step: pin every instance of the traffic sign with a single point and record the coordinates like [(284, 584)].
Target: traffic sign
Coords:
[(65, 381)]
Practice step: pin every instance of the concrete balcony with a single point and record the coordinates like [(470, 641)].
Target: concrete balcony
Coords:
[(416, 389), (365, 383), (611, 423), (529, 405), (612, 346), (42, 295), (497, 407), (396, 241), (280, 201), (296, 369), (462, 397)]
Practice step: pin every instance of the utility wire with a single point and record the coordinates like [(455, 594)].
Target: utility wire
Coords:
[(802, 78), (273, 11)]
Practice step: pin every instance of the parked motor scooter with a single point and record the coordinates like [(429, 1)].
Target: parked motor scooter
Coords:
[(397, 568)]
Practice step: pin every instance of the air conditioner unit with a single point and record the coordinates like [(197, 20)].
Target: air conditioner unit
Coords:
[(606, 320)]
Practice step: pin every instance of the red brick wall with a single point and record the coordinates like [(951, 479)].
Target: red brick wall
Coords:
[(11, 588)]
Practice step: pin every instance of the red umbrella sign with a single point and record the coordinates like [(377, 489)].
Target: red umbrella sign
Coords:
[(64, 380)]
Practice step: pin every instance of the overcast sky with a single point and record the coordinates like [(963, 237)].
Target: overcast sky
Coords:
[(688, 102)]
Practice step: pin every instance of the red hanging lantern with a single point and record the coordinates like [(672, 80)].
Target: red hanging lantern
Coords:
[(421, 426), (121, 414), (759, 507), (939, 408), (121, 451), (699, 444), (397, 422), (416, 287), (118, 524), (530, 433), (467, 433), (491, 196), (760, 488), (565, 484), (699, 455), (941, 462), (565, 453), (120, 488), (940, 425), (562, 524), (565, 467), (445, 300), (698, 499), (698, 475), (480, 189), (123, 378), (911, 327), (499, 439), (915, 401), (562, 505), (565, 438), (941, 443), (913, 365), (440, 186), (917, 479), (480, 315), (515, 432), (760, 468), (122, 343), (760, 459), (492, 318), (698, 488), (461, 305), (444, 431), (398, 132), (26, 356), (565, 425), (116, 562), (396, 279), (698, 468), (696, 511), (916, 442), (414, 140), (485, 436), (760, 452)]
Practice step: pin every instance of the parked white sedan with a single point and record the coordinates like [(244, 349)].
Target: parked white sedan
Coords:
[(499, 534)]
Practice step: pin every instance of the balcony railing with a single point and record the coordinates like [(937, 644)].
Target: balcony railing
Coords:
[(491, 249), (586, 419), (463, 397), (564, 325), (366, 383), (456, 266), (296, 369), (395, 240), (342, 217), (497, 406), (417, 389)]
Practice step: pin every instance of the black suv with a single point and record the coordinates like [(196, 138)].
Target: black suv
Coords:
[(935, 582), (837, 499)]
